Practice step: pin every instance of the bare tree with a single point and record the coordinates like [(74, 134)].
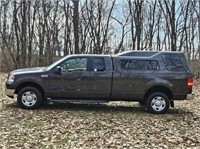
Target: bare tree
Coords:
[(76, 25), (31, 28), (152, 11), (169, 13), (4, 45), (99, 16), (23, 38), (123, 24), (67, 29), (135, 9)]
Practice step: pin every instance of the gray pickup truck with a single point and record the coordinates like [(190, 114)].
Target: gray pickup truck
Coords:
[(154, 79)]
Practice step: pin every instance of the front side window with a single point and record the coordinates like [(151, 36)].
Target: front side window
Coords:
[(173, 62), (139, 64), (74, 64)]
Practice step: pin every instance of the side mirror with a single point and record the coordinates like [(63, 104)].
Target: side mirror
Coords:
[(58, 70)]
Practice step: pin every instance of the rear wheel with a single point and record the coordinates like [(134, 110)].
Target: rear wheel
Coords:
[(29, 98), (157, 103)]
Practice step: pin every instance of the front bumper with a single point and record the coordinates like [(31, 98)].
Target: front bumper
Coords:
[(10, 93)]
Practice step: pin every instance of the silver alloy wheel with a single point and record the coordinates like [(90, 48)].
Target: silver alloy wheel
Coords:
[(29, 98), (158, 103)]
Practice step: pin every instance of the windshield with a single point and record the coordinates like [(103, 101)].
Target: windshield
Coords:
[(56, 63)]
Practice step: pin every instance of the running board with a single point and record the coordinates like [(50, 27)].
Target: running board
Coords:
[(77, 100)]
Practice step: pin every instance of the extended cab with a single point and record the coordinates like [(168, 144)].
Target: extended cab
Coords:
[(154, 79)]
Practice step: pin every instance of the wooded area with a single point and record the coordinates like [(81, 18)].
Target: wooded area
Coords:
[(36, 32)]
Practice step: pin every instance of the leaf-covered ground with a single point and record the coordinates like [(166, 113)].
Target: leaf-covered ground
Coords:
[(112, 125)]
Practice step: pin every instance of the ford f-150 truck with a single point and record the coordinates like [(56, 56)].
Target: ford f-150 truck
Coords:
[(154, 79)]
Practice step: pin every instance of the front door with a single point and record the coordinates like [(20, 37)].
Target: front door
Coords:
[(73, 82)]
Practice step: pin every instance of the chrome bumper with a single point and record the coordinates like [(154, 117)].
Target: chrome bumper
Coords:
[(10, 92), (190, 96)]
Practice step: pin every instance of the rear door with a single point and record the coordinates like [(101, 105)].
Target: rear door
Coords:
[(100, 78)]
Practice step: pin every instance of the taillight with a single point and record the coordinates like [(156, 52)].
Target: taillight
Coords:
[(190, 83)]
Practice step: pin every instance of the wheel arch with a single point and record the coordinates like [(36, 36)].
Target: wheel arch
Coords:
[(31, 84), (159, 88)]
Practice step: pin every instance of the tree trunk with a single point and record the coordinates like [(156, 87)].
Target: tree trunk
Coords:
[(173, 32), (76, 26), (24, 33)]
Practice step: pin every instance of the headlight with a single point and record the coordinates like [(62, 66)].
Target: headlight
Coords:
[(11, 78)]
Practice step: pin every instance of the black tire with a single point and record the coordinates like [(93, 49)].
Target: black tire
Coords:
[(158, 103), (29, 98)]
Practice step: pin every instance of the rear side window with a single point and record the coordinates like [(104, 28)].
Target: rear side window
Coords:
[(173, 62), (127, 64), (99, 64)]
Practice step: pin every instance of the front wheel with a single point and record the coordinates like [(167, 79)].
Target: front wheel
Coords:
[(157, 103), (29, 98)]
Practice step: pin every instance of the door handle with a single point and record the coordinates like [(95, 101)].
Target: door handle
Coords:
[(85, 77)]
